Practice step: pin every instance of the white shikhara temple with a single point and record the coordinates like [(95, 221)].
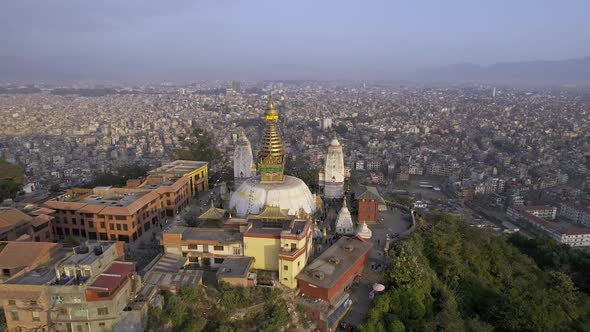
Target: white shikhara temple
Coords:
[(332, 176)]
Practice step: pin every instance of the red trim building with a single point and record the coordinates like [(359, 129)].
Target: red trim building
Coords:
[(328, 277)]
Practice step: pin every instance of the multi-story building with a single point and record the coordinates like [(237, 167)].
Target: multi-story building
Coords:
[(203, 247), (16, 225), (106, 213), (196, 171), (82, 290), (576, 212), (278, 242), (124, 214), (575, 237)]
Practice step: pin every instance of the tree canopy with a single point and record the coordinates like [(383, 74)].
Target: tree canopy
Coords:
[(198, 145), (448, 276), (11, 180)]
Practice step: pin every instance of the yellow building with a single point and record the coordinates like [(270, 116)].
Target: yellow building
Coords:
[(278, 242), (196, 171)]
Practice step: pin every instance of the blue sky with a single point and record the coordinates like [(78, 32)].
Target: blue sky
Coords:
[(329, 37)]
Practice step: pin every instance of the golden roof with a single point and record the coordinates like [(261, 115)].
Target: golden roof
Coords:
[(271, 212), (213, 213)]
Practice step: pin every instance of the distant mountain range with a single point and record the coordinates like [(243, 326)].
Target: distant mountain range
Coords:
[(572, 71)]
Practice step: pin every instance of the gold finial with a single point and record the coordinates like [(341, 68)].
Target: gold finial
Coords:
[(242, 132), (271, 111)]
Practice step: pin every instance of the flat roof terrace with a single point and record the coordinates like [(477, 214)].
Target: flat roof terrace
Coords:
[(179, 167), (113, 198)]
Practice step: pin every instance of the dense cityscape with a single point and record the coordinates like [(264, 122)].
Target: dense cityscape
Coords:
[(294, 166), (383, 162)]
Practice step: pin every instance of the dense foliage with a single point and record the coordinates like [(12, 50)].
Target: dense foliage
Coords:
[(231, 309), (11, 179), (550, 255), (451, 277), (120, 176), (198, 145)]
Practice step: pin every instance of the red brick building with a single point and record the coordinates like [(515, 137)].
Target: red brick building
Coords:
[(329, 276), (369, 202)]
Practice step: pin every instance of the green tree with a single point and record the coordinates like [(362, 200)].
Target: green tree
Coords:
[(175, 310), (11, 180), (198, 145)]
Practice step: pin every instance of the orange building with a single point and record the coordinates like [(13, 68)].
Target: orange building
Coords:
[(124, 214), (16, 225)]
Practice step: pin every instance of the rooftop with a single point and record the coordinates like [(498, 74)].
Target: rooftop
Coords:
[(217, 235), (332, 264), (179, 167), (169, 272), (235, 267), (22, 254), (87, 254)]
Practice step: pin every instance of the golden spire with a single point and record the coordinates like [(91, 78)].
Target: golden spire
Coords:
[(271, 111), (271, 158), (344, 204)]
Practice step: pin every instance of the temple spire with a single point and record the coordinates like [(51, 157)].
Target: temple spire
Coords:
[(271, 158)]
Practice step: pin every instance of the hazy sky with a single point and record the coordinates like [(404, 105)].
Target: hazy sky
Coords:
[(250, 37)]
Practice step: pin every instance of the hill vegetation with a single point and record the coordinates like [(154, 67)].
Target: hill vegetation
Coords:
[(450, 277), (11, 180), (227, 309)]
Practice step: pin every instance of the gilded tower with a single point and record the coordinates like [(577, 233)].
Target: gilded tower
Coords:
[(271, 158)]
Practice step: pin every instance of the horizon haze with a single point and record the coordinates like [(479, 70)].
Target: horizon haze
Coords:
[(190, 40)]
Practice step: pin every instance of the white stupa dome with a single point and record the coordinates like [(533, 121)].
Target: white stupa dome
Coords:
[(252, 196)]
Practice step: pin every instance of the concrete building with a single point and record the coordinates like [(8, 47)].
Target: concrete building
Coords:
[(279, 242), (83, 290), (16, 225), (202, 247), (196, 171), (244, 166), (236, 272), (576, 212)]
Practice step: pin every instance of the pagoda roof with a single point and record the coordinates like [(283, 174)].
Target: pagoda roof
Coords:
[(371, 193), (271, 212), (213, 213)]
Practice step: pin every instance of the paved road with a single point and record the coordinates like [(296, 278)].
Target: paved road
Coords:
[(394, 221)]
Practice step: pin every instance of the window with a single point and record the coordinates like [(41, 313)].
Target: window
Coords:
[(33, 302), (6, 272), (36, 316), (286, 267), (102, 324), (11, 302), (120, 218), (125, 227), (118, 227), (82, 222), (74, 221), (237, 251), (112, 227), (193, 247), (102, 225), (91, 224), (218, 260), (103, 311), (57, 299), (14, 315), (218, 248)]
